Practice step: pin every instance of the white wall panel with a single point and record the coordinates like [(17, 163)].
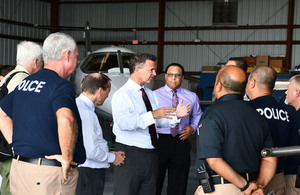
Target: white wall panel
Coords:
[(262, 12), (296, 55), (189, 13), (178, 14), (193, 57), (29, 11)]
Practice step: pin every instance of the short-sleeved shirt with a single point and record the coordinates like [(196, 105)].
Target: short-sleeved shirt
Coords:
[(294, 140), (277, 118), (16, 79), (231, 129), (32, 106)]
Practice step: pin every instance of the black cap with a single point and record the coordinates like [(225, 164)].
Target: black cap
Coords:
[(295, 71)]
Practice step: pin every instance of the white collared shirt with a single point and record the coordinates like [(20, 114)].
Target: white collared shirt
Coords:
[(97, 152), (131, 119)]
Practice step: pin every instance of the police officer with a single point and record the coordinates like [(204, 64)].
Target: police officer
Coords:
[(259, 89), (293, 162), (231, 135)]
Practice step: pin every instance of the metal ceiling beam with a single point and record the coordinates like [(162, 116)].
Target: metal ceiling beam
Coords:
[(74, 28), (193, 43), (119, 1)]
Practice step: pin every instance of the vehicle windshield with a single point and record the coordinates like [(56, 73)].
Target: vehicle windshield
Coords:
[(104, 61)]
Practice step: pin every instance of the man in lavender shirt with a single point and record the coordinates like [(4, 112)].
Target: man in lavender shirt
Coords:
[(174, 145)]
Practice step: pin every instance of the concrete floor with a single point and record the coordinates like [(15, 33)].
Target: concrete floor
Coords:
[(192, 181)]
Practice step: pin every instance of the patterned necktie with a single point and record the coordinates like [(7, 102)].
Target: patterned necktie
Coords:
[(152, 129), (174, 131)]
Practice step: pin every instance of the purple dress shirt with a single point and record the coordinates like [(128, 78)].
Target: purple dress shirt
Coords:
[(164, 96)]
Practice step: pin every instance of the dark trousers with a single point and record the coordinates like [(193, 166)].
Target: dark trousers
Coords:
[(90, 181), (174, 156), (138, 174)]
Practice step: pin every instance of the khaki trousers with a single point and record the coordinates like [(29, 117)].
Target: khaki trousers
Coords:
[(221, 189), (34, 179), (290, 181), (277, 185)]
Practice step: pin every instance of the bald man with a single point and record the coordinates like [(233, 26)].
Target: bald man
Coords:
[(259, 89), (230, 137)]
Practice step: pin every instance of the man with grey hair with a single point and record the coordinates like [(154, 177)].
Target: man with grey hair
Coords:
[(136, 115), (293, 162), (29, 61), (46, 126), (259, 89)]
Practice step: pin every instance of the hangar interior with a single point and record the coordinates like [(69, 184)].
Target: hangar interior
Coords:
[(199, 34)]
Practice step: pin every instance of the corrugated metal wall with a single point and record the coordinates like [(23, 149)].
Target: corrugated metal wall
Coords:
[(178, 14), (125, 15), (29, 11), (182, 14), (250, 12)]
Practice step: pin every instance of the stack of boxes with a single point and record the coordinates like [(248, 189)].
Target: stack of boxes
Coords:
[(277, 63)]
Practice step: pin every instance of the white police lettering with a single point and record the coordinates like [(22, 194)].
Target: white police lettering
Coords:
[(27, 85), (276, 114)]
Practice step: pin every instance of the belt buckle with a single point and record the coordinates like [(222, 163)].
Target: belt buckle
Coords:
[(247, 176), (39, 161)]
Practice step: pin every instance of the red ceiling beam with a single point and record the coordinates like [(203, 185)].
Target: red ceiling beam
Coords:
[(54, 15), (161, 35), (193, 43), (289, 41)]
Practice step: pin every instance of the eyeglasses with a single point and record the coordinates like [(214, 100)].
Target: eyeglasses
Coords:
[(176, 75)]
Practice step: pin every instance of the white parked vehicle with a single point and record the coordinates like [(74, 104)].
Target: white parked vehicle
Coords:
[(112, 61)]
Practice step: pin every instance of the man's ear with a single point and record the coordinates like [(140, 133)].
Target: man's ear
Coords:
[(35, 61), (219, 86), (252, 83), (297, 91), (67, 55)]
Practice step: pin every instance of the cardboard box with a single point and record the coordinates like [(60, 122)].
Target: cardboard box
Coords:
[(210, 68), (262, 60), (276, 63), (251, 61)]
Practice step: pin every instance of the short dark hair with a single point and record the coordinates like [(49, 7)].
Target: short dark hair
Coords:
[(175, 64), (229, 83), (94, 81), (240, 62), (265, 76), (138, 60)]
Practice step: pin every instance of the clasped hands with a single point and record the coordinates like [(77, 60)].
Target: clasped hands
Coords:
[(254, 189), (169, 112)]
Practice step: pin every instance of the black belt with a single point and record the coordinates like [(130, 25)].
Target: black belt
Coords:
[(38, 161), (216, 179)]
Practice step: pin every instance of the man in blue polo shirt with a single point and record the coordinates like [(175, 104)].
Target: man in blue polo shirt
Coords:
[(293, 162), (259, 89), (47, 137)]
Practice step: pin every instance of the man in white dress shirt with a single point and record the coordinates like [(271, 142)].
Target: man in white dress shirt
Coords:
[(136, 115), (95, 90)]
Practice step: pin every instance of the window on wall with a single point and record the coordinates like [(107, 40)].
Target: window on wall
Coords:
[(225, 12)]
